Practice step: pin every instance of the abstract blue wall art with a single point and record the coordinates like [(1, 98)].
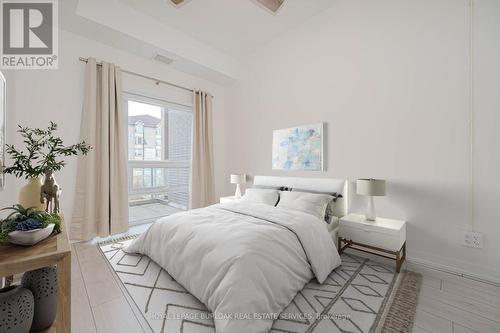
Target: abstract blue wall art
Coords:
[(298, 148)]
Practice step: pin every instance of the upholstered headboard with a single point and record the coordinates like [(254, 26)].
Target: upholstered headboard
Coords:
[(327, 185)]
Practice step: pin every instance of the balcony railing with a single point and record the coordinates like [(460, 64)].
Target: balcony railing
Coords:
[(159, 182)]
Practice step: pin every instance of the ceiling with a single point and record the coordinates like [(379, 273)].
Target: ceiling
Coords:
[(206, 38), (235, 27)]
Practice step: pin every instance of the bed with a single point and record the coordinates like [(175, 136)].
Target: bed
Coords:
[(246, 260)]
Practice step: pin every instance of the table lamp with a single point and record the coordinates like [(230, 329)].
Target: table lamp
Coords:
[(238, 179), (372, 188)]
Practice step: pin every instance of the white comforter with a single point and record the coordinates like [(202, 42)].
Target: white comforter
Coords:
[(244, 261)]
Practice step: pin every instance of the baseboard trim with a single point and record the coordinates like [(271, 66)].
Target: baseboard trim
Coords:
[(453, 270)]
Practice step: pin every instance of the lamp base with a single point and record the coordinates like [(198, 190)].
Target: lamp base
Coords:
[(237, 194), (370, 214)]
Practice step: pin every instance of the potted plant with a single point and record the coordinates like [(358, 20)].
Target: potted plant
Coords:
[(41, 155), (28, 226)]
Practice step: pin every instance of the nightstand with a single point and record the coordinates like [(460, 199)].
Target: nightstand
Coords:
[(227, 199), (383, 237)]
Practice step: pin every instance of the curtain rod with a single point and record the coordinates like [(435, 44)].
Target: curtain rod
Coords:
[(82, 59)]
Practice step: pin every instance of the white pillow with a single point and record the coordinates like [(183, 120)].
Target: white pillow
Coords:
[(310, 203), (257, 195), (334, 208)]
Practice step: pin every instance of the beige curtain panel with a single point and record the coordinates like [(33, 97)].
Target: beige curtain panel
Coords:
[(202, 168), (101, 198)]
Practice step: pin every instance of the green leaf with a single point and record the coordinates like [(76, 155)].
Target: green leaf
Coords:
[(43, 151)]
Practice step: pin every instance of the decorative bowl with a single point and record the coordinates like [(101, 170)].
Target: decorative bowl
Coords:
[(30, 237)]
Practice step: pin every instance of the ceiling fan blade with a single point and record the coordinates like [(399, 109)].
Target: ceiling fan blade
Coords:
[(272, 5)]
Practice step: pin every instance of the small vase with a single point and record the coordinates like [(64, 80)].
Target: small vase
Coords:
[(43, 284), (16, 309), (29, 195)]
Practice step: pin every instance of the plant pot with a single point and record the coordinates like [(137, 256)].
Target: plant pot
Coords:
[(30, 237), (29, 195), (43, 284), (16, 309)]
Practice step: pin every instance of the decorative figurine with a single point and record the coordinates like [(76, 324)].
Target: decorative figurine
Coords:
[(50, 191)]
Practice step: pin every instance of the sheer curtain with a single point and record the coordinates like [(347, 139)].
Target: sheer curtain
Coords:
[(202, 168), (101, 198)]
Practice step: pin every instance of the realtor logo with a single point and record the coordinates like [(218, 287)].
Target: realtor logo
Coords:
[(29, 34)]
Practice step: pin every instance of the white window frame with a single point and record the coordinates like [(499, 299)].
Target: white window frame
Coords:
[(131, 164)]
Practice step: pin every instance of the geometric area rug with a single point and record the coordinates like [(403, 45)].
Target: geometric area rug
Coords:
[(361, 295)]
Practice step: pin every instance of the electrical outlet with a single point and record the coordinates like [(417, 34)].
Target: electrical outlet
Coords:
[(473, 239)]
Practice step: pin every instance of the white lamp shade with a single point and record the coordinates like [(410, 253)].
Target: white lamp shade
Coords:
[(238, 179), (371, 187)]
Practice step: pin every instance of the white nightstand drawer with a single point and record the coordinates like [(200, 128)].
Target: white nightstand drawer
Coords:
[(383, 233), (372, 237)]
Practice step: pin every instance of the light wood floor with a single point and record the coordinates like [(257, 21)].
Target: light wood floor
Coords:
[(447, 304)]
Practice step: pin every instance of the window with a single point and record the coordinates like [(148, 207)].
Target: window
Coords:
[(138, 153), (139, 128), (159, 146)]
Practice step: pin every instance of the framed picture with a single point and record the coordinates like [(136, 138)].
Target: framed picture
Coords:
[(298, 148)]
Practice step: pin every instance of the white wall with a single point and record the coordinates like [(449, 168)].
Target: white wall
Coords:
[(391, 80), (37, 96)]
